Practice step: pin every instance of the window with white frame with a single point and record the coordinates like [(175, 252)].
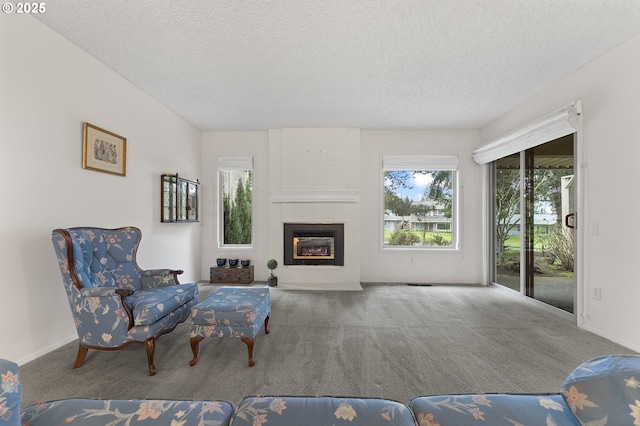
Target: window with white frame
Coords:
[(235, 195), (419, 208)]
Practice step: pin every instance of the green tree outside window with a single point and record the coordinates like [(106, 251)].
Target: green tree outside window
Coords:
[(237, 194)]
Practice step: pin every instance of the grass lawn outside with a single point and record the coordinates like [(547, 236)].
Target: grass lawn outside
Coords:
[(428, 236)]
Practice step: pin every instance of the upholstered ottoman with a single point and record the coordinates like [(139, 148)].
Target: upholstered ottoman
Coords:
[(231, 312)]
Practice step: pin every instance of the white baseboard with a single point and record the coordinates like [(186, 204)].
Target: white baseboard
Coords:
[(46, 350), (320, 286)]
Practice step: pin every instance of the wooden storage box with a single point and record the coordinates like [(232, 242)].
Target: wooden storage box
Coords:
[(231, 275)]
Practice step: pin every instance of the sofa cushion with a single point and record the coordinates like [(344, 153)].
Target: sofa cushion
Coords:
[(492, 409), (605, 390), (149, 305), (124, 412), (10, 393), (320, 411)]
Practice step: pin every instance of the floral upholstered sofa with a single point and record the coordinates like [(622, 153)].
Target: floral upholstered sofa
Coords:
[(603, 391), (103, 411)]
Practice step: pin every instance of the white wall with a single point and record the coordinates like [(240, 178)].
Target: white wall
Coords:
[(609, 89), (48, 88), (448, 267), (420, 266), (215, 144)]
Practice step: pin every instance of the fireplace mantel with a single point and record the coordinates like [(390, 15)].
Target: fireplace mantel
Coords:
[(314, 195)]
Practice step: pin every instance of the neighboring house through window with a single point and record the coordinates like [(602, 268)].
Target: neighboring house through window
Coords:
[(420, 201)]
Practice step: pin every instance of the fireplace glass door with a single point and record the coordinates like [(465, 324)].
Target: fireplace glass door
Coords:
[(314, 244)]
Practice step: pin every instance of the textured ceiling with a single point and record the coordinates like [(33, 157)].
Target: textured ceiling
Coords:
[(371, 64)]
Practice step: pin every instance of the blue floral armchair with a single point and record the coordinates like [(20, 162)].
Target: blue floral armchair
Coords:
[(113, 301)]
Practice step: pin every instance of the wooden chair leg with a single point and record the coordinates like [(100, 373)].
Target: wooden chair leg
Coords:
[(195, 341), (249, 341), (266, 325), (150, 346), (82, 353)]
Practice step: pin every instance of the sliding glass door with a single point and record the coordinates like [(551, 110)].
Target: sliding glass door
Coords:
[(507, 200), (534, 222)]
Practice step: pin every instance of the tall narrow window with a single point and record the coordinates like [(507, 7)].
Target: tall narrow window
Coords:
[(235, 194), (420, 201)]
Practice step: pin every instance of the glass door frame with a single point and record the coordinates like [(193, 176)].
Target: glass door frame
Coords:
[(527, 225)]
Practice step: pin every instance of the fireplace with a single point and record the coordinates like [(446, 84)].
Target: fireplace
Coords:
[(314, 244)]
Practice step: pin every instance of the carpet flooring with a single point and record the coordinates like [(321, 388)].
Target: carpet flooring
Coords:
[(388, 341)]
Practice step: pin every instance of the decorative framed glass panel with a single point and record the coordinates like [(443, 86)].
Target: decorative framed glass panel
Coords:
[(179, 199)]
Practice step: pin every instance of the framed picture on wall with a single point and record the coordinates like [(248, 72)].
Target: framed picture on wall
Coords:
[(104, 151)]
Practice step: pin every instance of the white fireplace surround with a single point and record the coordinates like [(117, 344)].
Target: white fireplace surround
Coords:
[(314, 177), (313, 196)]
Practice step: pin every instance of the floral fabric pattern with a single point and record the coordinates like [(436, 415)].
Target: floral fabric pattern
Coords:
[(600, 392), (128, 412), (150, 305), (491, 409), (231, 312), (605, 391), (103, 261), (320, 411), (10, 393)]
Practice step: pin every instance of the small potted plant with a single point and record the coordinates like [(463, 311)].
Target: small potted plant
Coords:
[(273, 280)]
